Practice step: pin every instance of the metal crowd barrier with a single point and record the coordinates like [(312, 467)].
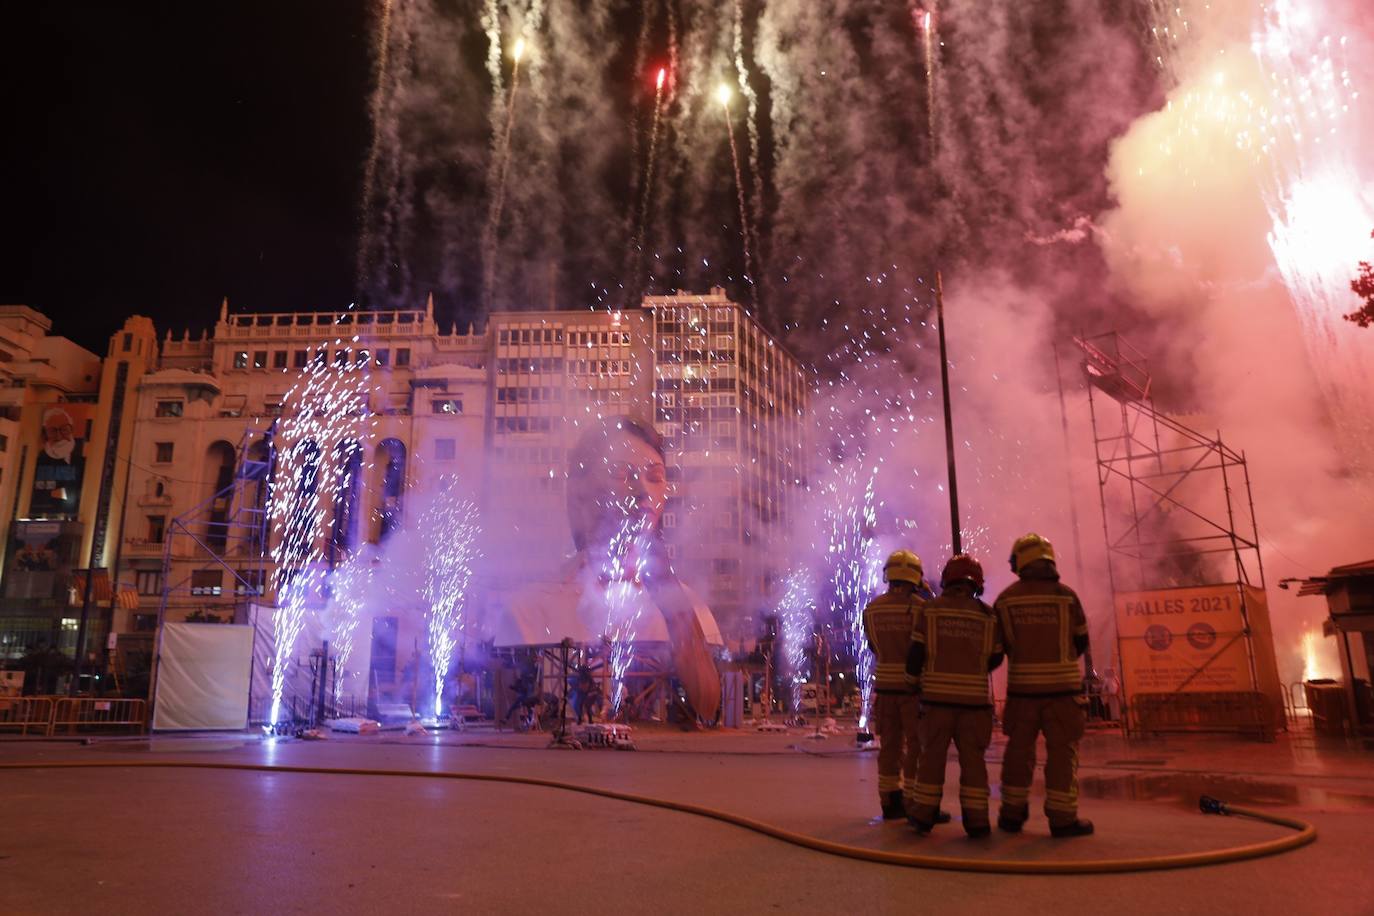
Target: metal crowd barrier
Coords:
[(1242, 711), (73, 713), (25, 713)]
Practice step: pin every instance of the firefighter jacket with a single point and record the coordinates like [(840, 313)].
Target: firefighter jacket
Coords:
[(888, 620), (957, 640), (1045, 631)]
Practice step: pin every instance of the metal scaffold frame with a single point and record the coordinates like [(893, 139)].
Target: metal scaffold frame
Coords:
[(1159, 480), (1177, 512), (228, 531)]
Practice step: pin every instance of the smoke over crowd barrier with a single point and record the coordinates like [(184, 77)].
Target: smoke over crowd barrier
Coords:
[(1194, 175)]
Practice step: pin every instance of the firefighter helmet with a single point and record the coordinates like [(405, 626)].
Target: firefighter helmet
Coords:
[(963, 568), (1028, 549), (903, 566)]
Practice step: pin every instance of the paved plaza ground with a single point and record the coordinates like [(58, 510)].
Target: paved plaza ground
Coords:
[(142, 840)]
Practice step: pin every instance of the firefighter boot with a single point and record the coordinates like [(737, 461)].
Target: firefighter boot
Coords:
[(894, 808), (1011, 819), (1077, 828)]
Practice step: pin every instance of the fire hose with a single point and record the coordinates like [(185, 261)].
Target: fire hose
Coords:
[(1305, 834)]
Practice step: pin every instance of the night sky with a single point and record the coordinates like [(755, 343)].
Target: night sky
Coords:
[(156, 160)]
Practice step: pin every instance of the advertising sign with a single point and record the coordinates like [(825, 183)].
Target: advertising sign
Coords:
[(61, 461), (1183, 640)]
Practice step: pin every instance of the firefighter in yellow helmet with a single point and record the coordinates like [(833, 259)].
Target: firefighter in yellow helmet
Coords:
[(956, 643), (888, 620), (1045, 632)]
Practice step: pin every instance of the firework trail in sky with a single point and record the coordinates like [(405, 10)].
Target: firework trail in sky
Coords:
[(751, 99), (723, 94), (1321, 218), (450, 531), (1287, 102), (380, 80), (637, 240), (501, 162), (325, 409)]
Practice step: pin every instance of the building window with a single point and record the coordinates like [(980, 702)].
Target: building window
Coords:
[(340, 357), (4, 443), (157, 528), (383, 358), (403, 356), (164, 452), (504, 336), (299, 358), (128, 342), (361, 358), (260, 359), (241, 359), (445, 449), (279, 359), (169, 408), (207, 581), (446, 405), (149, 581)]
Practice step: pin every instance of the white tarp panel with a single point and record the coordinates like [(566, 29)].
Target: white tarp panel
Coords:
[(202, 677), (542, 614)]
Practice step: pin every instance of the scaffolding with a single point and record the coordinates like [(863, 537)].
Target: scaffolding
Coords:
[(227, 532), (1177, 513)]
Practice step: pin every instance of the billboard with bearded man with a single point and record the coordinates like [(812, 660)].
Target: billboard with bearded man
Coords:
[(61, 461)]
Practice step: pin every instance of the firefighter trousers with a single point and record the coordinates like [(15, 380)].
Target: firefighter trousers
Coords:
[(970, 728), (1061, 720), (894, 716)]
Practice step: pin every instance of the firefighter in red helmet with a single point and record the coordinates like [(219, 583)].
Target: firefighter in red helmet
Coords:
[(1046, 632), (957, 641)]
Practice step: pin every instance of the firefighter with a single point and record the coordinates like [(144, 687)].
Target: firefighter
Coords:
[(957, 641), (888, 620), (1045, 632)]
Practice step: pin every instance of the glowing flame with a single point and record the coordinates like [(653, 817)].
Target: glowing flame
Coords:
[(724, 93), (662, 74), (1313, 666), (518, 51)]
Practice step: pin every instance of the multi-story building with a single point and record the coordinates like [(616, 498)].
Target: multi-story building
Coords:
[(65, 442), (731, 403), (207, 418), (178, 507), (726, 396)]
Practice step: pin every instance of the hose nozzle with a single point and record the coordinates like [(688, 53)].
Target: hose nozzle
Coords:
[(1209, 805)]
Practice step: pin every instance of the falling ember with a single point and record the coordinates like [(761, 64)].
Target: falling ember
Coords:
[(519, 50), (662, 73)]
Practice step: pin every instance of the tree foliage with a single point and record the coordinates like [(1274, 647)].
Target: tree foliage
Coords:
[(1363, 285)]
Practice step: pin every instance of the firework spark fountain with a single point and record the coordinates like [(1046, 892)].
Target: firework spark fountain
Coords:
[(795, 626), (623, 570), (853, 561), (326, 408), (450, 529)]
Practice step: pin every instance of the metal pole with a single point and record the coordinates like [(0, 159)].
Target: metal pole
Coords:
[(955, 530)]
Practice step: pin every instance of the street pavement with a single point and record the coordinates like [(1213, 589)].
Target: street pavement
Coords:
[(153, 841)]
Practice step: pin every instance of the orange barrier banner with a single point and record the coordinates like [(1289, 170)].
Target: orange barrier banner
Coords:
[(1183, 640)]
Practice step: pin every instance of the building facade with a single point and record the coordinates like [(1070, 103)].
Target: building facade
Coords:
[(178, 509)]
